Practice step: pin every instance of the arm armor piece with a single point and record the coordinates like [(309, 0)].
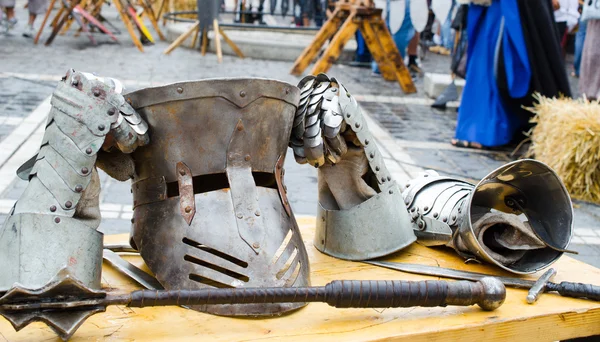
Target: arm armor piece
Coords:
[(329, 129), (53, 224)]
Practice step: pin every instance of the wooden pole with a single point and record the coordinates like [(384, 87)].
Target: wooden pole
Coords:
[(46, 16), (194, 38), (128, 25)]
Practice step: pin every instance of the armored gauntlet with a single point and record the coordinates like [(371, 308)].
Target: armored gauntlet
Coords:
[(361, 213), (53, 224)]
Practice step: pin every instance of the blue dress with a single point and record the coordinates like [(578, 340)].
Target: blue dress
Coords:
[(493, 31)]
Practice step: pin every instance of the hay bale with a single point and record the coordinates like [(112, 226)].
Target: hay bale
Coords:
[(567, 138)]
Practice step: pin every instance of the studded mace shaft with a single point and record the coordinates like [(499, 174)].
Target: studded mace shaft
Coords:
[(65, 303)]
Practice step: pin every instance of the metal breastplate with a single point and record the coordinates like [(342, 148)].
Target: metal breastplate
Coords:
[(210, 209)]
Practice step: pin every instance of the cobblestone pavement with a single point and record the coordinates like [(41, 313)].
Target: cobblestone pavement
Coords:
[(408, 130)]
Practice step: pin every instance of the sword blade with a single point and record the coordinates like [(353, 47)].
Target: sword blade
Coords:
[(450, 273), (131, 270)]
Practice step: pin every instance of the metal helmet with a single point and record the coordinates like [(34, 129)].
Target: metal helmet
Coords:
[(445, 210), (210, 209)]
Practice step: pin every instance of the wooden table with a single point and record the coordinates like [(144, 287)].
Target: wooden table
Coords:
[(551, 318)]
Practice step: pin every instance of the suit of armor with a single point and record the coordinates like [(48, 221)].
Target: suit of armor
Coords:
[(210, 205)]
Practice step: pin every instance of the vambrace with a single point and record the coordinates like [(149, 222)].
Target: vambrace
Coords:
[(361, 214), (53, 224)]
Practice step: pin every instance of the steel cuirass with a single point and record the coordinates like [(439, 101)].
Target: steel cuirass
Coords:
[(210, 209)]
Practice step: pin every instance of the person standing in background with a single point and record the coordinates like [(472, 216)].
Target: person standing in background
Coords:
[(589, 82), (566, 16), (35, 7), (579, 39)]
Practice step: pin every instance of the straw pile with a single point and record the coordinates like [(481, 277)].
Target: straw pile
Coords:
[(567, 138)]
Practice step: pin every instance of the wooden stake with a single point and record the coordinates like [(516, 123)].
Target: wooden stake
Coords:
[(46, 16), (217, 41), (231, 44), (181, 38)]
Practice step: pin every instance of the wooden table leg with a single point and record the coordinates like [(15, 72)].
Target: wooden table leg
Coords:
[(217, 41), (181, 38), (336, 45), (311, 51), (46, 16), (390, 49), (231, 44)]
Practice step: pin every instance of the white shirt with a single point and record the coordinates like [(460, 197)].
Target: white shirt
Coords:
[(568, 12)]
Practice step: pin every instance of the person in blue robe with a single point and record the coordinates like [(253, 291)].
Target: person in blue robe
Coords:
[(483, 118)]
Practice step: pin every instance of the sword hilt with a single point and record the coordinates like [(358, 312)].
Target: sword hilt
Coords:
[(488, 293)]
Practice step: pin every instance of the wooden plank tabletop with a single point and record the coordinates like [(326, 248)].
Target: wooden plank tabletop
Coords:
[(551, 318)]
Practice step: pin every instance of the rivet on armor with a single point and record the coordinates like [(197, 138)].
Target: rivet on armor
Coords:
[(111, 111), (240, 128), (180, 90), (391, 191), (460, 210), (242, 93), (407, 185), (425, 208), (182, 172), (247, 157), (420, 224), (287, 91), (240, 216), (382, 179), (453, 217), (413, 209), (101, 127), (425, 175), (357, 125), (348, 115), (68, 204), (132, 220), (372, 155), (85, 170), (444, 219), (78, 188), (389, 178), (188, 209), (257, 213), (256, 245), (333, 90), (52, 208), (88, 150), (96, 92), (75, 83), (435, 215), (406, 201), (367, 141), (57, 219), (377, 168)]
